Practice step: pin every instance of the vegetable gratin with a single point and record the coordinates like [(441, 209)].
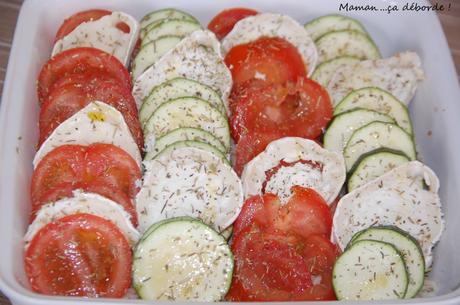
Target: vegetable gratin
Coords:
[(255, 159)]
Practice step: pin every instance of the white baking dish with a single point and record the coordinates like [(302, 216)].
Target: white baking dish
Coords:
[(435, 112)]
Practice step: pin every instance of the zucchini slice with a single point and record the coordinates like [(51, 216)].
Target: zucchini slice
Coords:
[(174, 27), (176, 145), (344, 125), (182, 259), (373, 165), (151, 52), (379, 100), (324, 72), (329, 23), (188, 112), (175, 88), (149, 20), (370, 270), (377, 135), (187, 134), (346, 43), (407, 246)]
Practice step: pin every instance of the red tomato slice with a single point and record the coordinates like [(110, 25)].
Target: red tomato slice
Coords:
[(249, 146), (322, 291), (288, 236), (267, 269), (306, 213), (78, 61), (96, 163), (65, 190), (297, 110), (79, 255), (224, 22), (272, 59), (319, 253), (90, 15), (262, 210), (72, 93), (111, 165)]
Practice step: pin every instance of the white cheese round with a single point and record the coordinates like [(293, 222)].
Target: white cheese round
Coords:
[(398, 75), (309, 166), (87, 203), (406, 197), (103, 34), (189, 182), (98, 122)]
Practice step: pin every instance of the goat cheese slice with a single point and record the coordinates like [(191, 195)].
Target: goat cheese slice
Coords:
[(398, 75), (294, 161), (98, 122), (406, 197), (88, 203), (189, 182), (103, 34)]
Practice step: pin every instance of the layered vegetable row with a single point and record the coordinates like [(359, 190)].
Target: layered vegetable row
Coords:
[(247, 130)]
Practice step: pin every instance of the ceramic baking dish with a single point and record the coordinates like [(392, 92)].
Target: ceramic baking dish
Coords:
[(435, 112)]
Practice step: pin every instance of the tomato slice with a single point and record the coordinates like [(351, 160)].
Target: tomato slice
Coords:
[(79, 255), (306, 213), (64, 190), (224, 22), (110, 164), (284, 239), (296, 110), (78, 61), (319, 253), (96, 163), (90, 15), (74, 92), (259, 209), (272, 59), (267, 269)]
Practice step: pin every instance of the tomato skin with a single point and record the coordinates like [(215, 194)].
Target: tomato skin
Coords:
[(272, 59), (301, 109), (75, 164), (224, 22), (79, 255), (65, 190), (334, 204), (78, 61), (72, 93)]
